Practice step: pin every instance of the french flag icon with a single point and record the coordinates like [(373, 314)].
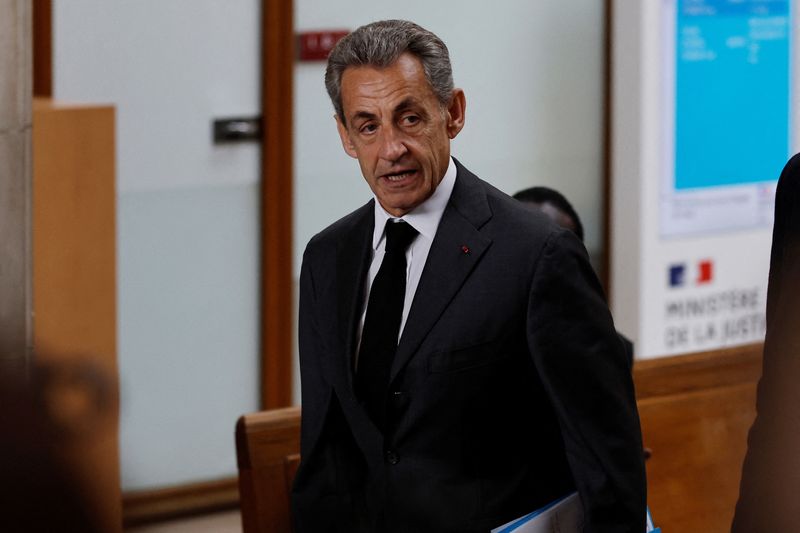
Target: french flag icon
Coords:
[(705, 271), (677, 274)]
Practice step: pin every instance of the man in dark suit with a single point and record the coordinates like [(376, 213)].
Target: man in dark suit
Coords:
[(494, 383), (768, 497)]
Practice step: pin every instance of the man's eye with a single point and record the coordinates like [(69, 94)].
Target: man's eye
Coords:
[(368, 128), (410, 120)]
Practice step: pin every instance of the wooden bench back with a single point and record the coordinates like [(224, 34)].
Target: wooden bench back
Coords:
[(696, 411), (268, 453)]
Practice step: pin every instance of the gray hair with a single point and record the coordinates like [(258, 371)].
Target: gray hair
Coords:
[(380, 44)]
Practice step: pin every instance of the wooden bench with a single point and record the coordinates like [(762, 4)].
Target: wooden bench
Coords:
[(268, 453)]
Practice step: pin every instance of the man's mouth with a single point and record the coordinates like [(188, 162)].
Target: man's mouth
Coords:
[(399, 176)]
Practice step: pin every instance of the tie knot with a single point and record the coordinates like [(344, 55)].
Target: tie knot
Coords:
[(399, 235)]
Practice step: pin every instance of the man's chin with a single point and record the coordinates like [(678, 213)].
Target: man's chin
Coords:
[(396, 206)]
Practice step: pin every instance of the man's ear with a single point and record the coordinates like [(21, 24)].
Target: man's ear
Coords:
[(344, 135), (456, 113)]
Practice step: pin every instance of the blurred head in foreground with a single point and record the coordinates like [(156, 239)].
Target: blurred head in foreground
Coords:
[(39, 493)]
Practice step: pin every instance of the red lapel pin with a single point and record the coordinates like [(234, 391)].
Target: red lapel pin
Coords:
[(465, 249)]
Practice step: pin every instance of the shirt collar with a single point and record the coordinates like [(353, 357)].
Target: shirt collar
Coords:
[(426, 216)]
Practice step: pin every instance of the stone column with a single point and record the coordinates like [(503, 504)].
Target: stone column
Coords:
[(16, 69)]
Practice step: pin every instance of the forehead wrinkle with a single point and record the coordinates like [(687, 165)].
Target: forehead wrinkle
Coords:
[(368, 101), (407, 103)]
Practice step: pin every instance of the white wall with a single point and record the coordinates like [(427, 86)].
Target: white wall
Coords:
[(187, 226)]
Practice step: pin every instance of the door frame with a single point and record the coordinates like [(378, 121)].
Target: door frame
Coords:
[(277, 149)]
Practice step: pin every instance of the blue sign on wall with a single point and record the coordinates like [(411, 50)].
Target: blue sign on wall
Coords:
[(732, 92)]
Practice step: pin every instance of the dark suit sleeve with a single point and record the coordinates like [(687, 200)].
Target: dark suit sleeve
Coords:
[(583, 367), (313, 490), (314, 388)]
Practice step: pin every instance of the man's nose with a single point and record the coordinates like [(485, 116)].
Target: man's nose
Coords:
[(392, 145)]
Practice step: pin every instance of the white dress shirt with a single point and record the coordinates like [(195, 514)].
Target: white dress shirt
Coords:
[(425, 219)]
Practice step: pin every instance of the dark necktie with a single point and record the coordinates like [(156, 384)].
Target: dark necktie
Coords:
[(382, 324)]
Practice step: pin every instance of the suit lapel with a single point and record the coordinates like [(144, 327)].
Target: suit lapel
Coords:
[(352, 263), (457, 247)]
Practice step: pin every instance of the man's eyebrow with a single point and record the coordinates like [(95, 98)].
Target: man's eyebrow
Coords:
[(407, 104), (364, 115)]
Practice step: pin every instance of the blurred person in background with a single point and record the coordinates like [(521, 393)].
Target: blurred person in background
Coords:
[(769, 496)]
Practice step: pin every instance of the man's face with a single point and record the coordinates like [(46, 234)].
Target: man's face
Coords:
[(398, 131)]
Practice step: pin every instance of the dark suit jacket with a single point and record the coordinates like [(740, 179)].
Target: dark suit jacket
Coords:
[(510, 386), (768, 499)]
